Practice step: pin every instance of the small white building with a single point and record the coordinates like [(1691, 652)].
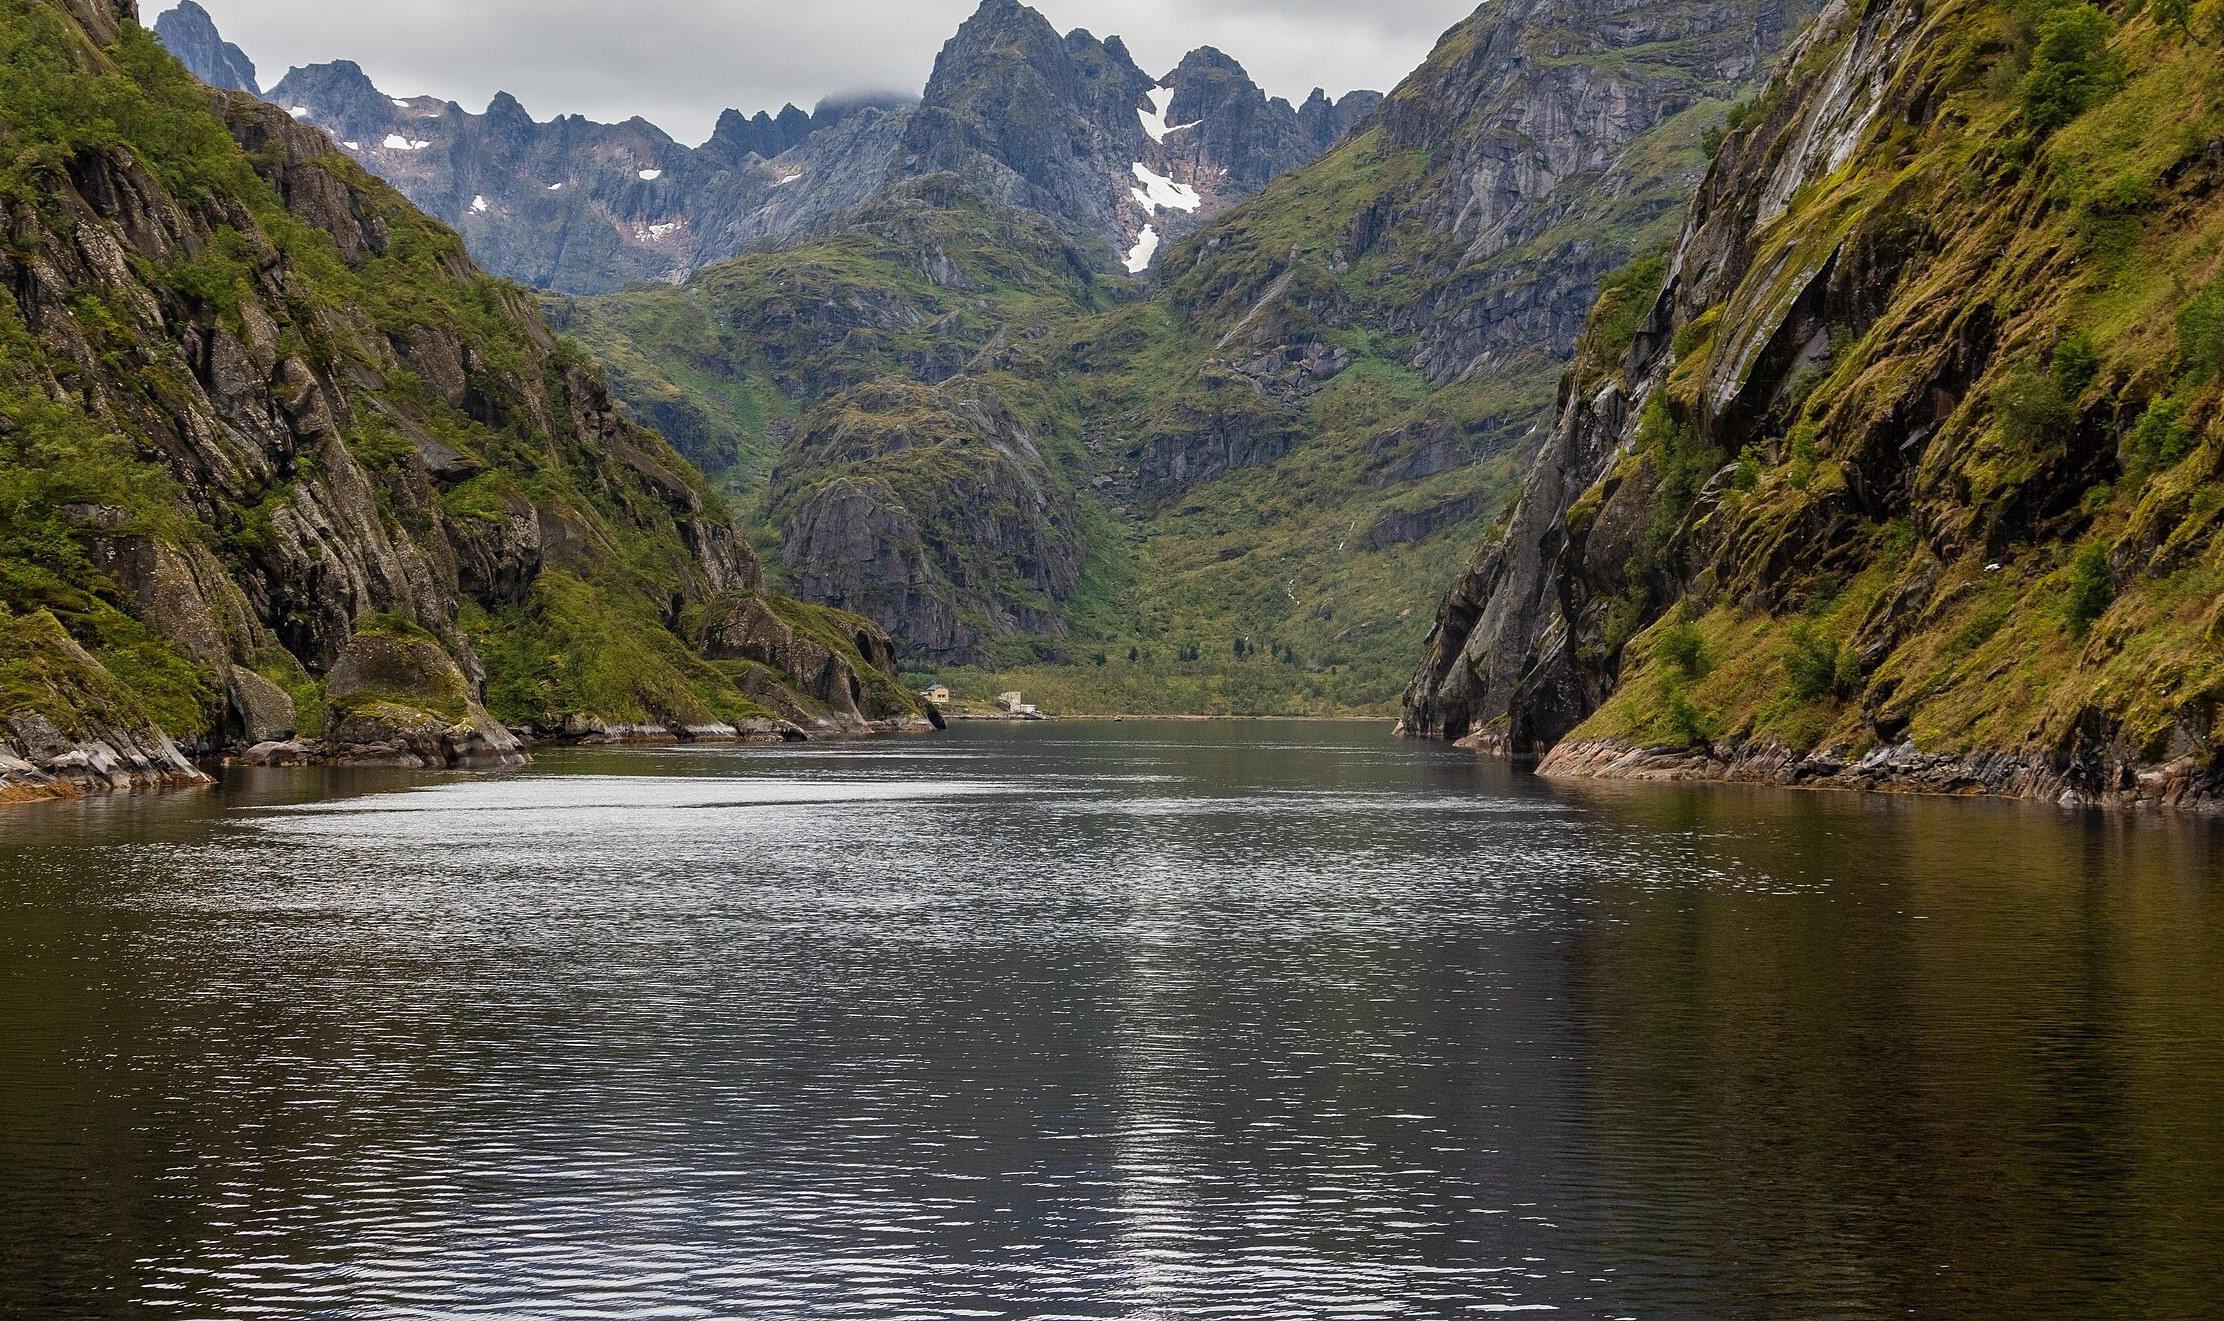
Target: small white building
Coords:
[(939, 694)]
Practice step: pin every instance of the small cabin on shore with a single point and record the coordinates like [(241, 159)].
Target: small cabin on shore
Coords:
[(939, 694)]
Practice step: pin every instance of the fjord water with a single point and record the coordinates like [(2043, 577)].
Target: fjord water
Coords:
[(1118, 1020)]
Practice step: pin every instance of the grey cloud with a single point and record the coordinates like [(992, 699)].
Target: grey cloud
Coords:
[(678, 63)]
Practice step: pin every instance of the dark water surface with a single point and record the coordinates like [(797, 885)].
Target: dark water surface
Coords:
[(1119, 1021)]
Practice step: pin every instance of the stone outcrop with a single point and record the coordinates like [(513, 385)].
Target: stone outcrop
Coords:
[(397, 697), (69, 727), (843, 670)]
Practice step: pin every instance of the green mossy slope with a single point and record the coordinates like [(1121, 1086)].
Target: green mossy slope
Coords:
[(249, 399), (1932, 455)]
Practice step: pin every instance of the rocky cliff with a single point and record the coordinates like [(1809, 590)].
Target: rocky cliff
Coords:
[(1064, 126), (1070, 128), (1906, 477), (790, 377), (280, 470), (189, 33)]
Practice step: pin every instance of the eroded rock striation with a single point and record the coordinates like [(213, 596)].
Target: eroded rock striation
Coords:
[(281, 467), (1890, 487)]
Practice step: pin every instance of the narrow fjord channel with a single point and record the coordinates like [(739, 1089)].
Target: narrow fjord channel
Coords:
[(1101, 1020)]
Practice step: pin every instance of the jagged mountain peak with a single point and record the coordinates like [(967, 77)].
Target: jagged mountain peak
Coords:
[(1069, 127), (1209, 59), (1003, 25), (507, 109), (339, 77), (191, 34)]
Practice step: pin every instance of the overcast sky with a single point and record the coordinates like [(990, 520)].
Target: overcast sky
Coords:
[(679, 62)]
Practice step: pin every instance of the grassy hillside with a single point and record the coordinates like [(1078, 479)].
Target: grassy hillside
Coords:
[(1931, 453), (251, 401)]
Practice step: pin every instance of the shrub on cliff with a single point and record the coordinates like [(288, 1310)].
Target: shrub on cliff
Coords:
[(2092, 590), (1816, 667), (2073, 68), (2201, 331)]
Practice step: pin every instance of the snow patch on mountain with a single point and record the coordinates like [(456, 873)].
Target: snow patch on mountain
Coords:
[(299, 111), (396, 142), (479, 206), (1160, 193), (1155, 126), (1140, 256), (650, 176)]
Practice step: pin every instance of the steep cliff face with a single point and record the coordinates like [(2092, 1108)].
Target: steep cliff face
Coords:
[(1067, 127), (932, 510), (1899, 482), (282, 466), (189, 33)]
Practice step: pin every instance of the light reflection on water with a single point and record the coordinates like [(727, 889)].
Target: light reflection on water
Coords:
[(1135, 1021)]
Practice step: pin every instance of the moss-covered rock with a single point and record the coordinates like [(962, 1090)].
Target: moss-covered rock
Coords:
[(397, 695), (68, 725), (843, 664)]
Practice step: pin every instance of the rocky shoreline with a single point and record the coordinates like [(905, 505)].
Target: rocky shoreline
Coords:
[(39, 764), (2111, 781)]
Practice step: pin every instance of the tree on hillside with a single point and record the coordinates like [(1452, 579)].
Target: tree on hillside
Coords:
[(2072, 70)]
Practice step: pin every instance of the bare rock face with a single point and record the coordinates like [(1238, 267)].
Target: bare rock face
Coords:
[(399, 697), (931, 511), (264, 712), (190, 34)]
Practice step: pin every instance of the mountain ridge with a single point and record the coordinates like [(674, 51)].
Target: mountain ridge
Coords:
[(578, 207)]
